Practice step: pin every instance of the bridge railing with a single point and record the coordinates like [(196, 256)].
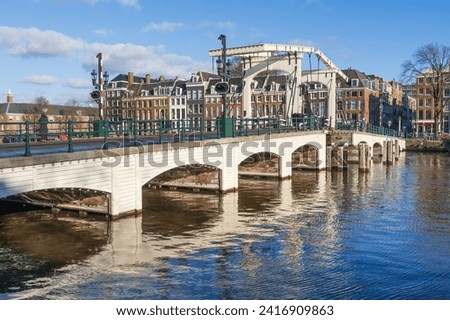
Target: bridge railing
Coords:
[(369, 129), (78, 134)]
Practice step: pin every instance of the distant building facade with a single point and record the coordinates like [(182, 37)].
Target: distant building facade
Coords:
[(13, 115)]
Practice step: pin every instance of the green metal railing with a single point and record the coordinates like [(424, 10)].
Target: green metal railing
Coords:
[(138, 132), (369, 129)]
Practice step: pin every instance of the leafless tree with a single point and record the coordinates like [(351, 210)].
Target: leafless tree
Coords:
[(41, 101), (431, 61)]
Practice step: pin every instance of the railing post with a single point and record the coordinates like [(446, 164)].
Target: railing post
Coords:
[(160, 130), (218, 126), (202, 127), (183, 129), (104, 125), (233, 127), (69, 135), (27, 139)]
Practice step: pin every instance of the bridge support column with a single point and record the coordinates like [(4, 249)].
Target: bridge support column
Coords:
[(364, 157), (285, 167), (329, 158), (339, 159), (396, 150), (228, 175), (388, 152), (126, 189)]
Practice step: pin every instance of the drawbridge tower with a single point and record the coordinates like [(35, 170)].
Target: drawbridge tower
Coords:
[(288, 60)]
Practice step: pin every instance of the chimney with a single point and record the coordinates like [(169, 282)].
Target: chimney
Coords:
[(9, 97), (148, 79), (130, 78)]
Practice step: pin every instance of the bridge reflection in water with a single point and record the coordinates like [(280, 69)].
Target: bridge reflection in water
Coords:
[(337, 234)]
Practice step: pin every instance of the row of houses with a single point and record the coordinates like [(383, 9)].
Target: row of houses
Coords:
[(362, 100)]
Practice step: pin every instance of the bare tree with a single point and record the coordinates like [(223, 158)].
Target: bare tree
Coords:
[(73, 102), (431, 61), (41, 101)]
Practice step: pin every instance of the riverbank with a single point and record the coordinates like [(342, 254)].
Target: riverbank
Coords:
[(423, 145)]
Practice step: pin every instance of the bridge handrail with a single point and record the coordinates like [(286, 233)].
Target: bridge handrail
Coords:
[(160, 131)]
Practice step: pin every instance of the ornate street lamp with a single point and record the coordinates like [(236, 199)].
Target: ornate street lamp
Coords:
[(222, 87), (99, 81)]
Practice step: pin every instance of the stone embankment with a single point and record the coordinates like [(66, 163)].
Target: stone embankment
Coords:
[(424, 145)]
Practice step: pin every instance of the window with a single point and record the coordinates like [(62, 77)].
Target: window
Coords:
[(347, 105), (421, 102), (322, 109), (355, 83), (447, 92)]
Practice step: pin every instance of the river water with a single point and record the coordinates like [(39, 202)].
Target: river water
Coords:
[(321, 235)]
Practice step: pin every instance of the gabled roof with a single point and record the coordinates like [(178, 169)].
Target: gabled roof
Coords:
[(205, 76), (353, 74)]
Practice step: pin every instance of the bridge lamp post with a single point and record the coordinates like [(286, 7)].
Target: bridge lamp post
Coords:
[(100, 80), (223, 87), (98, 93)]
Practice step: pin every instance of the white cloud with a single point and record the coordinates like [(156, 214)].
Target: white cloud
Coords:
[(40, 79), (124, 57), (117, 58), (163, 26), (39, 43), (228, 25), (102, 32), (79, 83), (130, 3), (125, 3)]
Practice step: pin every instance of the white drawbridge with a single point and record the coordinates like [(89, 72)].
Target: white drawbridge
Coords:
[(287, 59)]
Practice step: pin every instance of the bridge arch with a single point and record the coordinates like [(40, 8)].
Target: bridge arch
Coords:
[(306, 157), (261, 163), (81, 199), (192, 176), (377, 151)]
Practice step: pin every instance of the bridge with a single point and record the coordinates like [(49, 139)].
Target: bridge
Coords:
[(286, 59), (110, 181)]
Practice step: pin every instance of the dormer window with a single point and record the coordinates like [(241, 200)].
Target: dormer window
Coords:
[(194, 78), (355, 83)]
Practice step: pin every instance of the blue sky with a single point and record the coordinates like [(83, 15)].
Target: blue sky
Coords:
[(48, 47)]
